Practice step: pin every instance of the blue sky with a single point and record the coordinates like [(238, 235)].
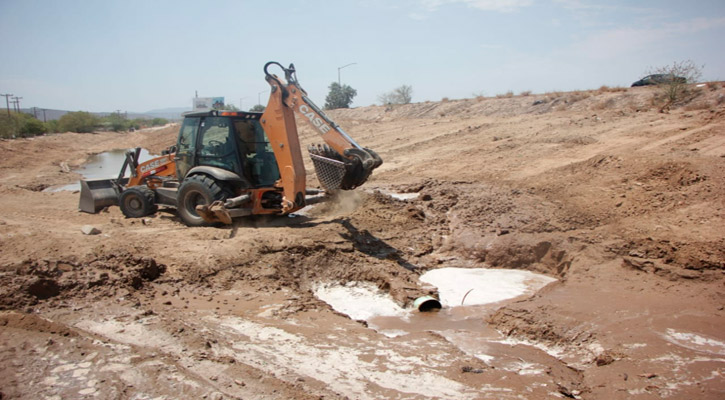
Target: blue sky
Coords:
[(141, 55)]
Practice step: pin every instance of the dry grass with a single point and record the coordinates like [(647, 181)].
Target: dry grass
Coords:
[(573, 97), (605, 105), (699, 105), (712, 86), (525, 93), (506, 95), (606, 89)]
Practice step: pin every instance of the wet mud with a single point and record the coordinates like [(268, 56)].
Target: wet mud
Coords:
[(618, 206)]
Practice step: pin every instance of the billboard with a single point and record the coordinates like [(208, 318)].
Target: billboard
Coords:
[(208, 103)]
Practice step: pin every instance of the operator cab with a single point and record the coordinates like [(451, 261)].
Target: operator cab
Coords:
[(230, 140)]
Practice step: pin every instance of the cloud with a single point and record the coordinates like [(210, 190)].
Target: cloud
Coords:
[(696, 25), (623, 41), (484, 5)]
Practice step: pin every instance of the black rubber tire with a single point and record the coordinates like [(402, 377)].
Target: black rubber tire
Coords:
[(197, 190), (137, 202)]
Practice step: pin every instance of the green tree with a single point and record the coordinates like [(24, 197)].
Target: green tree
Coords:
[(78, 121), (257, 108), (339, 96)]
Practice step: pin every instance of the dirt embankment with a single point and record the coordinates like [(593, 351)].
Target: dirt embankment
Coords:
[(621, 203)]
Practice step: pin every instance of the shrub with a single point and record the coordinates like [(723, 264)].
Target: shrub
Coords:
[(20, 125), (159, 121), (79, 121), (399, 95), (676, 90)]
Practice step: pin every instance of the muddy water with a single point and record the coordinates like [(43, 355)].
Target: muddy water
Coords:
[(105, 165), (468, 296)]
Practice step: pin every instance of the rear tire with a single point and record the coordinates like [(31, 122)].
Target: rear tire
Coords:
[(137, 202), (195, 191)]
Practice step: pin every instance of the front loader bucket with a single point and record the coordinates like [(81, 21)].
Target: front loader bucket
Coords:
[(97, 194)]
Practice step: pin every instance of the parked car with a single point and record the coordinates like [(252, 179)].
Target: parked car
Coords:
[(657, 79)]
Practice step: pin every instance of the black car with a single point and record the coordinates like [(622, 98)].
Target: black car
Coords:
[(657, 79)]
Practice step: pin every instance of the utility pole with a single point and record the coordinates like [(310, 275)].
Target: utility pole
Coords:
[(339, 83), (259, 98), (35, 112), (44, 120), (17, 103), (7, 101)]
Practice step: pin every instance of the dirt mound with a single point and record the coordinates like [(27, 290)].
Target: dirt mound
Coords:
[(34, 323), (33, 281)]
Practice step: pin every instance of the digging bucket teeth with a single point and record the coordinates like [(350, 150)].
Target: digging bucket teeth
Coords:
[(97, 194), (335, 172)]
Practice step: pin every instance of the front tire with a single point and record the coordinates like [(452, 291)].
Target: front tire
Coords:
[(195, 191), (137, 202)]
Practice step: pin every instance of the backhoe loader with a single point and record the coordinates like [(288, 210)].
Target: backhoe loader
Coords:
[(229, 164)]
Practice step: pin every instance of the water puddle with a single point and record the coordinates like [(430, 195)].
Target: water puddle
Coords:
[(101, 166), (467, 287), (467, 295), (395, 195), (697, 342)]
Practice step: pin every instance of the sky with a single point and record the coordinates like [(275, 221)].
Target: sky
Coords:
[(138, 56)]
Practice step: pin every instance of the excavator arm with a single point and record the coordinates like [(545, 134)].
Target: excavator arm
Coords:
[(340, 163)]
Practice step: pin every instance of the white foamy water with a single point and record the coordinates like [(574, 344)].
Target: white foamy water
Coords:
[(482, 286), (359, 301)]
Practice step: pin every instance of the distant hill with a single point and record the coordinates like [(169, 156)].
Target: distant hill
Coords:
[(172, 113)]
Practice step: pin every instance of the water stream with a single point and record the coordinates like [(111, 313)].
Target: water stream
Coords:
[(104, 165)]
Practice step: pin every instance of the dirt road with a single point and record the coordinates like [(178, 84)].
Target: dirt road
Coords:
[(622, 204)]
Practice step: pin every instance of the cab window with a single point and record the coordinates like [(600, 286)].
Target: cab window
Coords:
[(216, 147), (260, 164)]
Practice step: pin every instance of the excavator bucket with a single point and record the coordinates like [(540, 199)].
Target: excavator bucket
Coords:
[(97, 194), (330, 172), (335, 172)]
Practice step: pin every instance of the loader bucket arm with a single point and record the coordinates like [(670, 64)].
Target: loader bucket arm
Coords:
[(341, 163)]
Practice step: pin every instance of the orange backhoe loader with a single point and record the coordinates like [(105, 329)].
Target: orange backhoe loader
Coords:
[(228, 164)]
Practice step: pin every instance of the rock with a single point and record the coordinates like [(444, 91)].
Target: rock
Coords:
[(90, 230), (64, 167)]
